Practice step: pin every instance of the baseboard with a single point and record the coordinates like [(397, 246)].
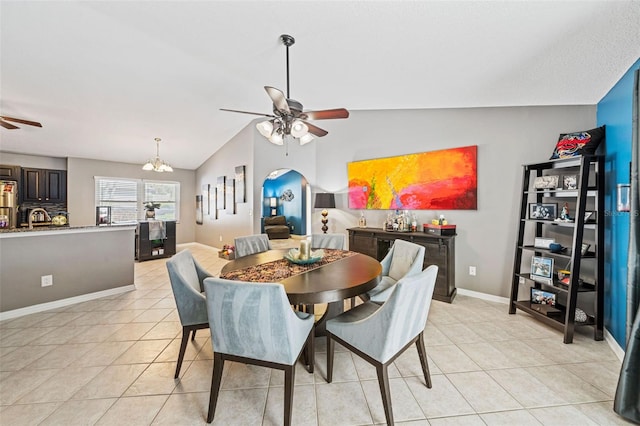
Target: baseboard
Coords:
[(483, 296), (617, 350), (63, 302)]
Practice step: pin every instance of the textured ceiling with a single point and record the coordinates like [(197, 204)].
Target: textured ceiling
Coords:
[(106, 78)]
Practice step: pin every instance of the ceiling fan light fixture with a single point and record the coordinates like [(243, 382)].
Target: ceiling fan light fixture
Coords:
[(306, 138), (276, 137), (156, 164), (299, 129), (265, 128)]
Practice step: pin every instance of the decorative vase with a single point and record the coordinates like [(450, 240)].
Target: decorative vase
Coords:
[(150, 214)]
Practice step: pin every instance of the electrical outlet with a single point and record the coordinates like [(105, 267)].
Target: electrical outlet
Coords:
[(472, 271), (46, 280)]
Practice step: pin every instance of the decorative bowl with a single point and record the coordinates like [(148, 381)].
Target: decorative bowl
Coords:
[(293, 256)]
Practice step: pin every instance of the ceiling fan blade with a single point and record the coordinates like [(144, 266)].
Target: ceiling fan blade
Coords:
[(18, 120), (248, 112), (8, 125), (315, 130), (278, 98), (326, 114)]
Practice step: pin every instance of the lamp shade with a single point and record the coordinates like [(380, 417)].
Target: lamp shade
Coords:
[(325, 201)]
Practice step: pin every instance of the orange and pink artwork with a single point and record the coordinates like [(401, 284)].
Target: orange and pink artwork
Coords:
[(436, 180)]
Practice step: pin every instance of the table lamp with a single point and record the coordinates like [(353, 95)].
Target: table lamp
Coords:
[(325, 201)]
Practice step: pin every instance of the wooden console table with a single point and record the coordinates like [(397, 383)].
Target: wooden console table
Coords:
[(439, 250)]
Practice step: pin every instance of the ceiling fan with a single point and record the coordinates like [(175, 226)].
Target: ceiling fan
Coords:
[(288, 117), (4, 122)]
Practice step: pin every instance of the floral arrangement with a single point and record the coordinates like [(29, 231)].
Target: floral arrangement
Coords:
[(151, 206)]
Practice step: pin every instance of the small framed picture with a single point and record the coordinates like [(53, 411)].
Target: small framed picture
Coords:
[(584, 249), (541, 297), (543, 211), (546, 182), (542, 269), (588, 216), (570, 182)]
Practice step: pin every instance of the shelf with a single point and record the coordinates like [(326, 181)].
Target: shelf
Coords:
[(554, 320), (587, 201), (557, 285)]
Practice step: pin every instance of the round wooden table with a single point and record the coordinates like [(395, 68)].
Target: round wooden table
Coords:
[(331, 283)]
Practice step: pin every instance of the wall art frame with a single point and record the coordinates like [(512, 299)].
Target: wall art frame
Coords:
[(240, 186), (220, 192)]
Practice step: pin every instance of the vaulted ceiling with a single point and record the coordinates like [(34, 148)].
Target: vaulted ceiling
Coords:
[(105, 78)]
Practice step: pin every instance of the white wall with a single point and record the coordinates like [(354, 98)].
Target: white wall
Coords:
[(506, 139), (35, 161), (81, 191)]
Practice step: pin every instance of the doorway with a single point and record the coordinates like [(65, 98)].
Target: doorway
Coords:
[(286, 192)]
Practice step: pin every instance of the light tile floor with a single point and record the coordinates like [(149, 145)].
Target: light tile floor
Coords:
[(111, 362)]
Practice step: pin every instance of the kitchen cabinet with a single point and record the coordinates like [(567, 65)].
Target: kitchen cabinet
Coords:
[(9, 172), (44, 185), (440, 250)]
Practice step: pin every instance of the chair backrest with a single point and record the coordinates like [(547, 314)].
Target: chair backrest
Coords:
[(251, 244), (407, 259), (330, 241), (185, 284), (407, 309), (254, 320)]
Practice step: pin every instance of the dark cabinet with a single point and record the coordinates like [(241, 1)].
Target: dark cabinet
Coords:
[(10, 172), (147, 248), (439, 250), (44, 185)]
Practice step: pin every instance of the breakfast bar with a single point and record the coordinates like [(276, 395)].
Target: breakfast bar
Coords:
[(47, 268)]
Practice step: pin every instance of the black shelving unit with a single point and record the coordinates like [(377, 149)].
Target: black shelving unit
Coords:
[(586, 269), (146, 249)]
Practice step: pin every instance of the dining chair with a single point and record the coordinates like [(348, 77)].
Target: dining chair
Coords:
[(253, 323), (251, 244), (187, 276), (381, 333), (403, 259), (330, 241)]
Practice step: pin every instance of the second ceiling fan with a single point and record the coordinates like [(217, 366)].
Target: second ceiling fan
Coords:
[(288, 117)]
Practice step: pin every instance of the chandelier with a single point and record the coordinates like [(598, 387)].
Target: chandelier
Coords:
[(156, 164)]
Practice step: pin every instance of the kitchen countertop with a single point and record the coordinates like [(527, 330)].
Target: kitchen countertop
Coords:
[(49, 230)]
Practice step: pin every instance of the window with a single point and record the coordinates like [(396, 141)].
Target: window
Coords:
[(127, 197)]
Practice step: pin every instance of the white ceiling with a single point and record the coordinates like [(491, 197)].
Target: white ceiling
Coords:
[(106, 78)]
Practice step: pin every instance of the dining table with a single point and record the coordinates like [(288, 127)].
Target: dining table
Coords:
[(338, 275)]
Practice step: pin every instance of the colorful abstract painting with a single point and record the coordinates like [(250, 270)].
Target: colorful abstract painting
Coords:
[(436, 180)]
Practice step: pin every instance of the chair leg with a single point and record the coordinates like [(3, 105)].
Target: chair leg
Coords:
[(311, 344), (216, 379), (383, 382), (183, 347), (330, 347), (423, 359), (193, 334), (289, 379)]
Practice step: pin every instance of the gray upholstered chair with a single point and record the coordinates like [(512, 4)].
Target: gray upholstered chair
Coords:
[(187, 276), (330, 241), (251, 244), (404, 258), (381, 333), (253, 323)]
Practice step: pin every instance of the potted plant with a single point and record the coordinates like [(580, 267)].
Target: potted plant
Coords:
[(150, 208)]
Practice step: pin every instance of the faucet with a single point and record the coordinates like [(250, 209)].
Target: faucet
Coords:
[(46, 216)]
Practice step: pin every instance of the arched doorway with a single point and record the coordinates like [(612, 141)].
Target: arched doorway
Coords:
[(286, 192)]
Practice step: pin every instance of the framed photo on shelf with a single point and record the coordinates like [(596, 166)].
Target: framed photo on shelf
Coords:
[(541, 297), (588, 216), (584, 249), (546, 182), (570, 182), (542, 269), (543, 211)]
